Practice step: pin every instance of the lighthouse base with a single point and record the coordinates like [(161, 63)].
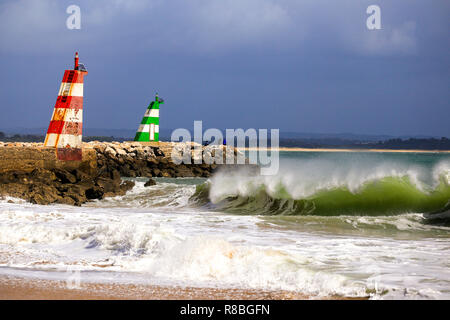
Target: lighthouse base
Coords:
[(69, 154)]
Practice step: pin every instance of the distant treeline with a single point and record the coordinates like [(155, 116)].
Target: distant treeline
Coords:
[(39, 138), (411, 143), (407, 144), (21, 138), (105, 139)]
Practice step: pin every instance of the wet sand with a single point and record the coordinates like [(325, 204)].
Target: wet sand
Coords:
[(34, 289), (12, 288)]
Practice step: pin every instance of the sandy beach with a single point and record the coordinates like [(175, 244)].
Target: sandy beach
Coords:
[(12, 288)]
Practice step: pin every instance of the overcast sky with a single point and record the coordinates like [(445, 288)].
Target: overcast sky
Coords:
[(298, 65)]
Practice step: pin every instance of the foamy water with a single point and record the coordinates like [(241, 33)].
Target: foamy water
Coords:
[(160, 235)]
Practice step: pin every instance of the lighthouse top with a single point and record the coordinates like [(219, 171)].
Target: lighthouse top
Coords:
[(79, 66)]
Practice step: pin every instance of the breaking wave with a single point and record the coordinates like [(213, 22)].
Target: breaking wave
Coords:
[(323, 189)]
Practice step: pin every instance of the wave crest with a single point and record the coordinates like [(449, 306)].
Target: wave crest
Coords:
[(324, 189)]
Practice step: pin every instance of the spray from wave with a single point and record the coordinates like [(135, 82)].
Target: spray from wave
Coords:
[(324, 188)]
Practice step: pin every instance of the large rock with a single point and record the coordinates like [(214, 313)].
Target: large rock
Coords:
[(95, 192), (121, 152), (65, 176), (126, 186), (59, 186), (149, 183), (110, 151)]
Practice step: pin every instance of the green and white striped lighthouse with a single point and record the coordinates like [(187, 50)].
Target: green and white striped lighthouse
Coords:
[(149, 128)]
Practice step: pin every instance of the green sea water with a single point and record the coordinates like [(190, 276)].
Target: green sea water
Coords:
[(336, 184)]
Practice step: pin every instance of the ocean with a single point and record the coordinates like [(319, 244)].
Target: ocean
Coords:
[(350, 224)]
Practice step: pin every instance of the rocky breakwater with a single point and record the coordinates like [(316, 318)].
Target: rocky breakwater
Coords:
[(133, 159), (32, 172)]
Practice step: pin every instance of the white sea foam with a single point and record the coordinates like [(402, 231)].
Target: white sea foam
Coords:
[(50, 240), (191, 248), (164, 194), (302, 179), (441, 172)]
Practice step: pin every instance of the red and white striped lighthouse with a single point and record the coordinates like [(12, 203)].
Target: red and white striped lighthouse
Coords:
[(65, 129)]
